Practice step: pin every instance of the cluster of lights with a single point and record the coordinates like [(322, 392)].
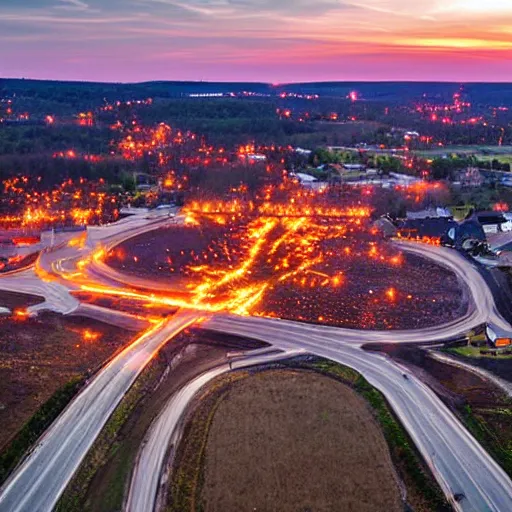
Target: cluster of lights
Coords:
[(72, 203)]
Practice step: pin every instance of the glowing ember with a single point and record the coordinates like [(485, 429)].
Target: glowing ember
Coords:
[(267, 244), (20, 314), (88, 335)]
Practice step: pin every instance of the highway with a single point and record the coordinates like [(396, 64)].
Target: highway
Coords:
[(40, 480), (165, 430), (456, 459), (57, 297)]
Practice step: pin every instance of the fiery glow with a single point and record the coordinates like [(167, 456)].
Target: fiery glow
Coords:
[(72, 203), (20, 314), (268, 243), (88, 335)]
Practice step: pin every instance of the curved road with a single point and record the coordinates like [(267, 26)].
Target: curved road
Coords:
[(457, 460), (165, 429)]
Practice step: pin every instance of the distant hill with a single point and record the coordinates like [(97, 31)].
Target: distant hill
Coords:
[(395, 92)]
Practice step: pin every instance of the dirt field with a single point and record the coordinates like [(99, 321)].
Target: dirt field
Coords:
[(296, 441), (14, 301), (425, 294), (39, 355)]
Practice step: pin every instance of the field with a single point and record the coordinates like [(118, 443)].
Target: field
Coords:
[(40, 355), (296, 441), (388, 291), (502, 153)]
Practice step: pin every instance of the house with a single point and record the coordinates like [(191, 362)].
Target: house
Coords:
[(497, 336), (428, 227), (491, 222), (354, 167), (305, 178), (470, 178), (430, 213), (466, 235)]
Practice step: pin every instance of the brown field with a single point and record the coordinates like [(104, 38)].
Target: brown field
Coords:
[(296, 441), (14, 300), (39, 355), (426, 294)]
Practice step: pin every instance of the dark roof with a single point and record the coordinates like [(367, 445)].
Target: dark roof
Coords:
[(430, 227), (469, 229), (486, 218)]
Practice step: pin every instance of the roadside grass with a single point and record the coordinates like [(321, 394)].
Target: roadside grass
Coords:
[(473, 352), (74, 498), (489, 438), (423, 492), (489, 152), (36, 426), (503, 158)]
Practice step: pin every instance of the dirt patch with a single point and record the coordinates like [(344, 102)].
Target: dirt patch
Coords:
[(424, 294), (14, 300), (40, 355), (296, 441), (498, 364), (388, 290)]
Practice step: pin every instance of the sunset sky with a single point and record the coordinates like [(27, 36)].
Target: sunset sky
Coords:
[(257, 40)]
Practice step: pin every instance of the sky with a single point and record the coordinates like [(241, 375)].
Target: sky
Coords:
[(276, 41)]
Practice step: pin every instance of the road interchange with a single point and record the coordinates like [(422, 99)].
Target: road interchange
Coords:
[(453, 455)]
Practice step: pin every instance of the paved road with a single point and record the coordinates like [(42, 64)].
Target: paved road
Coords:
[(57, 297), (457, 460), (165, 429), (56, 273), (40, 480)]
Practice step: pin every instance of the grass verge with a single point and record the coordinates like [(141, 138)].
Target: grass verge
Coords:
[(488, 437), (36, 426), (474, 352)]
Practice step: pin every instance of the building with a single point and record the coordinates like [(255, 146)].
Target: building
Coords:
[(430, 213), (497, 336), (423, 228), (470, 178), (466, 235), (354, 167), (491, 222), (305, 178)]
